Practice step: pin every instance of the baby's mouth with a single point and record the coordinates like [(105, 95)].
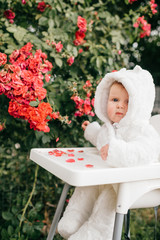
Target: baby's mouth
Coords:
[(119, 113)]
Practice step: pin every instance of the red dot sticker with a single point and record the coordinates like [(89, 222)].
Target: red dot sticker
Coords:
[(89, 165), (50, 153), (56, 153), (80, 159), (70, 160), (80, 151), (70, 155), (70, 150)]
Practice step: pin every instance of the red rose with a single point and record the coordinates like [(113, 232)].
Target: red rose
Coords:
[(23, 1), (47, 77), (9, 14), (59, 47), (55, 115), (4, 76), (79, 38), (38, 117), (146, 27), (82, 24), (153, 6), (80, 50), (40, 92), (47, 66), (41, 6), (1, 126), (3, 58), (78, 114), (70, 61), (80, 34), (131, 1)]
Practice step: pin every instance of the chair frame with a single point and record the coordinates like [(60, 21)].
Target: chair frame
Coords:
[(77, 176)]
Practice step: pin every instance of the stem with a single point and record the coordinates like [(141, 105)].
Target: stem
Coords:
[(29, 200)]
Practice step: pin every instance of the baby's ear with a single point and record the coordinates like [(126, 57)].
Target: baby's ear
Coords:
[(137, 68)]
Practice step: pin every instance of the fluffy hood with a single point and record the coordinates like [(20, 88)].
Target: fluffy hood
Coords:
[(140, 87)]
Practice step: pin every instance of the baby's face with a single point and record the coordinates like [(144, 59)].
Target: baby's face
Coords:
[(117, 103)]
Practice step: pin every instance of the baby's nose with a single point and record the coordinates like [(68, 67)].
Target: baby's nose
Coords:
[(120, 105)]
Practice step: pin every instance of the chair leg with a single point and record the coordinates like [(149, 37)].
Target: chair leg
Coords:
[(126, 226), (118, 225), (58, 212)]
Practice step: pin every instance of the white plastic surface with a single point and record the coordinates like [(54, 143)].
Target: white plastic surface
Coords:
[(88, 168), (140, 194)]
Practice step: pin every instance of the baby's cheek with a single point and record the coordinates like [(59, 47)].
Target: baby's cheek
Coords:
[(110, 112)]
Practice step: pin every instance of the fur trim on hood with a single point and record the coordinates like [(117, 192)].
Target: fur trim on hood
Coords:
[(141, 90)]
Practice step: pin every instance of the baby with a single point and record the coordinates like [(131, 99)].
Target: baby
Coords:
[(124, 102), (117, 107)]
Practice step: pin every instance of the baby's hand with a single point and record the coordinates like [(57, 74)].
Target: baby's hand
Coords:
[(104, 152), (85, 124)]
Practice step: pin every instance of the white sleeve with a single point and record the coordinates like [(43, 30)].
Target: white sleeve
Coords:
[(102, 138), (143, 149), (91, 132)]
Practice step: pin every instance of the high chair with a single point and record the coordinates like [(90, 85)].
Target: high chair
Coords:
[(138, 194), (138, 187)]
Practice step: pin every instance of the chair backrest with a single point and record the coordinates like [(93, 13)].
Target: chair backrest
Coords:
[(155, 121)]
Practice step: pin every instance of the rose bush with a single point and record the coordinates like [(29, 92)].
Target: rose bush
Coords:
[(22, 82), (52, 56)]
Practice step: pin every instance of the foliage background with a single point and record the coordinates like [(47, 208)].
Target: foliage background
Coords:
[(111, 43)]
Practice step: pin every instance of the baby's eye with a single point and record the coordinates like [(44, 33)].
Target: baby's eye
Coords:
[(115, 99)]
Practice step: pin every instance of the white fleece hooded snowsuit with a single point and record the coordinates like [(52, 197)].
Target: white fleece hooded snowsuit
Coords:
[(133, 141)]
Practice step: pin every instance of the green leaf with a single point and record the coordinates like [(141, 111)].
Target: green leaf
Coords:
[(69, 47), (99, 62), (38, 16), (110, 61), (46, 139), (58, 62), (34, 103), (14, 209), (75, 52), (29, 3), (39, 206), (7, 215), (89, 9), (32, 214), (4, 234), (10, 230), (50, 23), (38, 226), (28, 229), (58, 8), (43, 21), (19, 34), (11, 29), (8, 51)]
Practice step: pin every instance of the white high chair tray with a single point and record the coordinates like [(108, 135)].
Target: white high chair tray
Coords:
[(84, 167)]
